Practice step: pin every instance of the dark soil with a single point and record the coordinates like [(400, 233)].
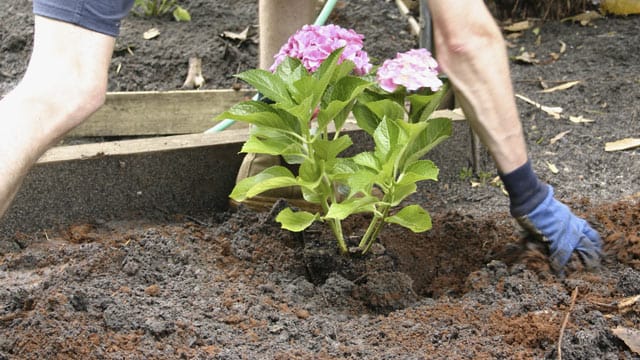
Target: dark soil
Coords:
[(233, 285)]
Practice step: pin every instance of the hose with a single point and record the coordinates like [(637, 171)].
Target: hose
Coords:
[(320, 20)]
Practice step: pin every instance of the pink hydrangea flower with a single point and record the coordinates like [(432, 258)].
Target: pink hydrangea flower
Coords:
[(413, 69), (312, 44)]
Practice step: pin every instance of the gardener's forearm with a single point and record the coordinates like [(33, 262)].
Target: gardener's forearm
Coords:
[(471, 50)]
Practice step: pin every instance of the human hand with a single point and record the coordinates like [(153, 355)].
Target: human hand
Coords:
[(554, 224)]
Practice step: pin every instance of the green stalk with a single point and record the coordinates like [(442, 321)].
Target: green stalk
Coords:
[(336, 227), (373, 230)]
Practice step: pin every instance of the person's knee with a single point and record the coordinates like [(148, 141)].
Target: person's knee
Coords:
[(58, 105)]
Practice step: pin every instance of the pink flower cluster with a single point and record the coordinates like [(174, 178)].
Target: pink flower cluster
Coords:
[(413, 69), (314, 43)]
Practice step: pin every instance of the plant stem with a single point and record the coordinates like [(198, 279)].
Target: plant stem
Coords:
[(373, 230), (336, 227)]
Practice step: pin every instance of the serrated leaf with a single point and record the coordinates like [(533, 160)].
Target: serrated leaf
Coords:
[(341, 211), (387, 109), (329, 149), (291, 70), (271, 178), (422, 106), (267, 84), (401, 192), (342, 94), (261, 114), (367, 159), (419, 171), (296, 221), (437, 130), (413, 217), (385, 138), (272, 146)]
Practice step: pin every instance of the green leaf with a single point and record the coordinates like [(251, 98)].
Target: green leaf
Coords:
[(386, 139), (270, 178), (181, 14), (291, 70), (341, 211), (296, 221), (367, 159), (367, 119), (281, 145), (330, 149), (302, 111), (361, 182), (419, 171), (261, 114), (413, 217), (341, 96), (400, 192), (387, 109), (433, 103), (437, 131), (267, 83)]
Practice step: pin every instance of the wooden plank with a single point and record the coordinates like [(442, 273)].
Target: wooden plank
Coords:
[(159, 112), (146, 178), (139, 146)]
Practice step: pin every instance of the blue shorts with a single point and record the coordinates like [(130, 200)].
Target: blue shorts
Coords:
[(102, 16)]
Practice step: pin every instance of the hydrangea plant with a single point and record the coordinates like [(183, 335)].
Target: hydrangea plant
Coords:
[(320, 77)]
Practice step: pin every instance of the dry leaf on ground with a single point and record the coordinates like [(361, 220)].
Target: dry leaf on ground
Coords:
[(624, 144), (585, 18), (564, 86), (240, 36), (631, 337), (519, 26), (558, 137), (151, 33)]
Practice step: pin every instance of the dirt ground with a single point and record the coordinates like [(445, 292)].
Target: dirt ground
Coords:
[(233, 285)]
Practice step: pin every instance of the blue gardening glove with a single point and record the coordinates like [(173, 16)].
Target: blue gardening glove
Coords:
[(554, 224)]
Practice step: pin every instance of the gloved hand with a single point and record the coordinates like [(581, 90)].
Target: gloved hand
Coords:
[(554, 224)]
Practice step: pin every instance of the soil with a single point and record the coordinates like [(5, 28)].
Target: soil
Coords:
[(232, 285)]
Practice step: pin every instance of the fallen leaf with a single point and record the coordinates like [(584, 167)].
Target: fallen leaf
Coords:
[(553, 111), (579, 119), (519, 26), (527, 57), (585, 18), (564, 86), (553, 168), (515, 35), (631, 337), (629, 301), (558, 137), (563, 47), (151, 33), (624, 144), (241, 36)]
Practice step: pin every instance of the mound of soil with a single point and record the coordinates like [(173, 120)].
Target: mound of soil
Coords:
[(233, 285)]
